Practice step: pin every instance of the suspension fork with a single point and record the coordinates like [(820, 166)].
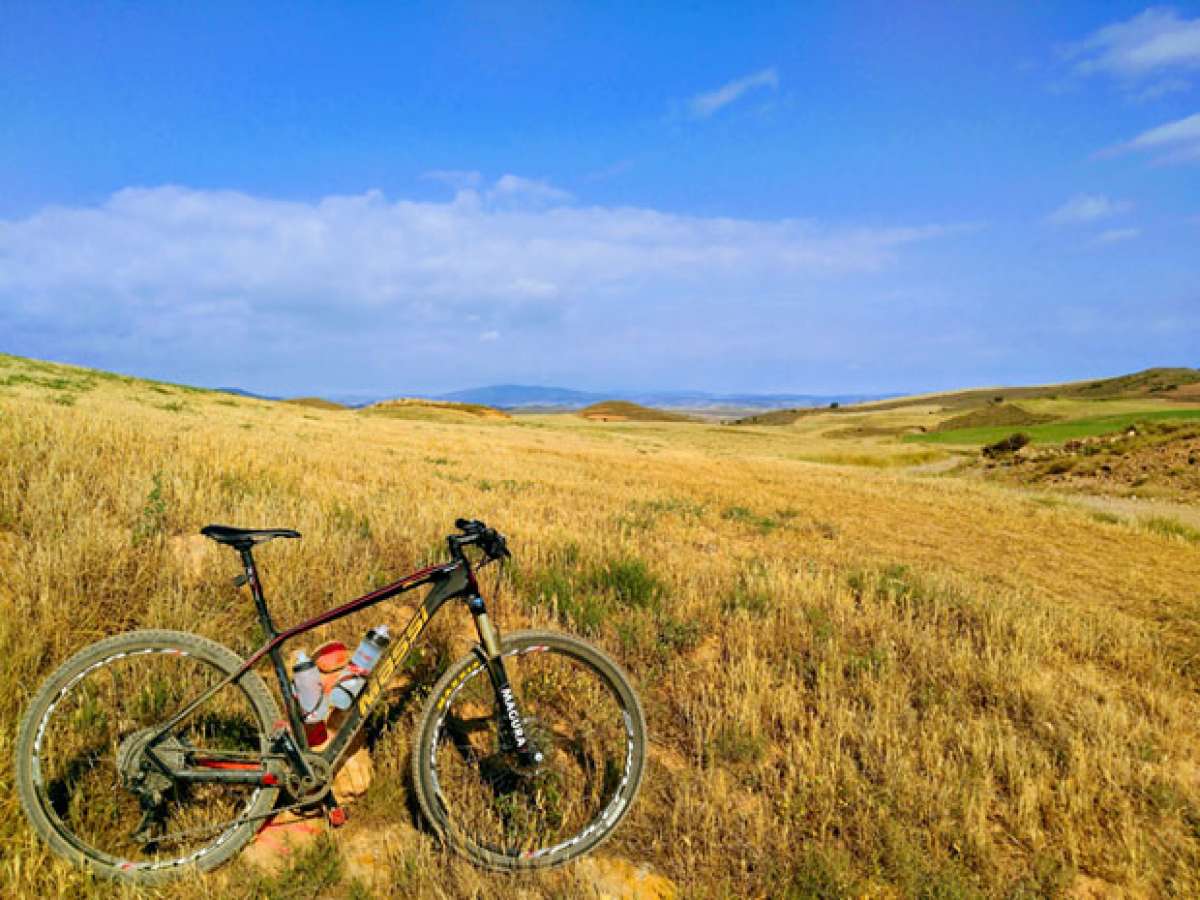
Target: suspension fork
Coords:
[(513, 736)]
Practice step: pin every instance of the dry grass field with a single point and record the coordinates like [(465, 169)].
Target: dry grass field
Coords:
[(858, 680)]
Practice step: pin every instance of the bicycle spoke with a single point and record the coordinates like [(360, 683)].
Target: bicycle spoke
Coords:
[(92, 739), (572, 717)]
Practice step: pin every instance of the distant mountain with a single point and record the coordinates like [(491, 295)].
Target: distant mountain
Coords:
[(520, 396), (357, 401), (512, 396), (238, 392)]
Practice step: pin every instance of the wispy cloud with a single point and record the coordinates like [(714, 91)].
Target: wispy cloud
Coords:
[(1083, 209), (1151, 42), (532, 190), (509, 189), (1174, 142), (704, 105), (1150, 55), (1116, 235)]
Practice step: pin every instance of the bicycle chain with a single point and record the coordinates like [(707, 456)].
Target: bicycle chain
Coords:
[(232, 823), (310, 799)]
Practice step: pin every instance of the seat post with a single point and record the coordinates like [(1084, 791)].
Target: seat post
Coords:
[(295, 719), (260, 602)]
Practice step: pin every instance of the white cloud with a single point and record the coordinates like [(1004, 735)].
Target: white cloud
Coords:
[(1084, 208), (1177, 141), (1151, 42), (704, 105), (171, 277), (1116, 235)]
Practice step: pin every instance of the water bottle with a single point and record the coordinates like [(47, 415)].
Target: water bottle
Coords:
[(361, 663), (306, 682)]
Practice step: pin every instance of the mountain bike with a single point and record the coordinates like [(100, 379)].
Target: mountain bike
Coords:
[(154, 752)]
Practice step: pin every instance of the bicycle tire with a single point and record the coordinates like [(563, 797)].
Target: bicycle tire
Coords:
[(36, 802), (438, 708)]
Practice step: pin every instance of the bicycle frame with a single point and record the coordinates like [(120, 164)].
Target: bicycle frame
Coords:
[(452, 580)]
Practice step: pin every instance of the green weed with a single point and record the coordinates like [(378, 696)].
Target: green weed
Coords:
[(154, 513), (1172, 528)]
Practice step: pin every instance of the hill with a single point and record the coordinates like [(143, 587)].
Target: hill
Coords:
[(1139, 384), (625, 411), (418, 409), (1156, 383), (1007, 415), (867, 681), (315, 403), (784, 416)]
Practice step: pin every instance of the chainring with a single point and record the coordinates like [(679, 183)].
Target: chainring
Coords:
[(306, 789)]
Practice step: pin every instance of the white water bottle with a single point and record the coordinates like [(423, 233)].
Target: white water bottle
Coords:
[(361, 663), (306, 682)]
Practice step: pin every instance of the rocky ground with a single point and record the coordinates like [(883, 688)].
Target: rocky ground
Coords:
[(1159, 462)]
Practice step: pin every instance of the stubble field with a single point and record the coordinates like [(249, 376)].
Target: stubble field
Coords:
[(858, 679)]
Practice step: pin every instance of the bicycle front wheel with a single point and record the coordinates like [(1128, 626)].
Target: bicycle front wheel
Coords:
[(82, 771), (579, 712)]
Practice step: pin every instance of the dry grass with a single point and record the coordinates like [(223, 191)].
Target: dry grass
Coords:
[(856, 681)]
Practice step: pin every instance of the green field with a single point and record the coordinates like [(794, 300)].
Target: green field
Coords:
[(1053, 432)]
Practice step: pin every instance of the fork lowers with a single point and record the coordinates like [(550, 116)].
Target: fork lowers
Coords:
[(564, 787)]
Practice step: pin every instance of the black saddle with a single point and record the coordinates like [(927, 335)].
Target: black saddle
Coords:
[(245, 538)]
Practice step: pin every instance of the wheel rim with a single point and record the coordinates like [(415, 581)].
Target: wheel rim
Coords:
[(574, 716), (92, 735)]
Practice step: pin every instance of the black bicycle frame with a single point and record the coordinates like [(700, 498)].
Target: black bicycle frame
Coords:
[(452, 580)]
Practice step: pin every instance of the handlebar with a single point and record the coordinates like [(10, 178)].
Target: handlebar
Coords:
[(490, 541)]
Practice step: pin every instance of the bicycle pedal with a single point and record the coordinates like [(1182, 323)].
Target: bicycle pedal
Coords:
[(337, 817)]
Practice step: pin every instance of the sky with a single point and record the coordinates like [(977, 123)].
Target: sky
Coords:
[(376, 198)]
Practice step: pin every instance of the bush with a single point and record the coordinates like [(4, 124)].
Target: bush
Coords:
[(1010, 444)]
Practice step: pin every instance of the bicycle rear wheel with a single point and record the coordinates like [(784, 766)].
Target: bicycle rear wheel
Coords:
[(85, 733), (579, 711)]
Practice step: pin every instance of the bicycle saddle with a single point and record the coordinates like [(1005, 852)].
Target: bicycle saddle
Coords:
[(245, 538)]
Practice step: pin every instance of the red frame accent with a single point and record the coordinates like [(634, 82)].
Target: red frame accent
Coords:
[(228, 765), (344, 610)]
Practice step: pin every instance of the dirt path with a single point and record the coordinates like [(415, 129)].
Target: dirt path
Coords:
[(1134, 508), (937, 467), (1125, 507)]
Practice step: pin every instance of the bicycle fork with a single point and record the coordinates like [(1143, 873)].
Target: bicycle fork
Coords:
[(514, 737)]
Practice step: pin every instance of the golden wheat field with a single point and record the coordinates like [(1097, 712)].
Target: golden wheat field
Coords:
[(859, 681)]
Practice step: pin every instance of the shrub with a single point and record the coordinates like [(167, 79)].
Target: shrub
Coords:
[(1010, 444)]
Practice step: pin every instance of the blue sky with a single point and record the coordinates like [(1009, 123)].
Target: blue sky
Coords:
[(810, 198)]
